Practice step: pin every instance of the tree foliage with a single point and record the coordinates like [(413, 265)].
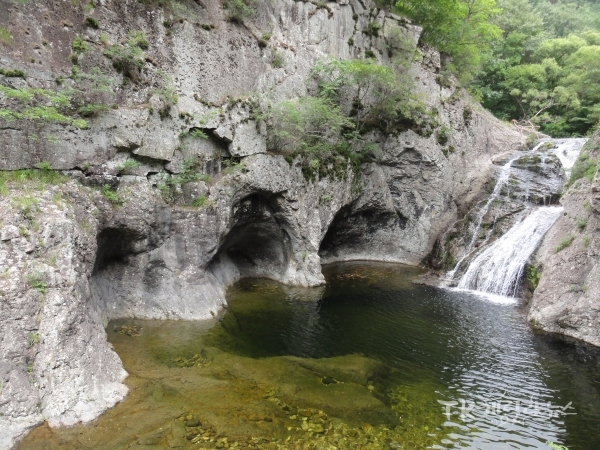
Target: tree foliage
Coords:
[(306, 124), (546, 70), (460, 28), (330, 128), (533, 60)]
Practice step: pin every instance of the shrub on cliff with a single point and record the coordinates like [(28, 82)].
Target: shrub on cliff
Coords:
[(129, 58), (374, 96), (306, 124), (5, 36), (350, 98), (240, 10), (39, 105)]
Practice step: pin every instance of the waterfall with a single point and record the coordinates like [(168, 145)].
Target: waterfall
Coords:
[(502, 179), (567, 150), (498, 268)]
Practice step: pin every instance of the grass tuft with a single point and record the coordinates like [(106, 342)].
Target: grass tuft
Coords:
[(566, 242)]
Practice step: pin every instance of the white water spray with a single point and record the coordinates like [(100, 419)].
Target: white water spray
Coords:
[(498, 268), (502, 179), (567, 150)]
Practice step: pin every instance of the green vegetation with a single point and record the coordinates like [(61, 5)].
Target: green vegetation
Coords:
[(197, 133), (443, 253), (79, 46), (93, 93), (460, 28), (92, 23), (585, 167), (199, 202), (168, 98), (329, 129), (31, 178), (277, 59), (40, 105), (534, 61), (381, 97), (33, 338), (581, 224), (566, 242), (533, 274), (27, 206), (5, 36), (65, 106), (443, 135), (128, 167), (129, 58), (171, 184), (36, 281), (306, 124), (126, 59), (137, 38), (372, 29), (240, 10), (13, 73), (231, 166), (554, 446), (544, 69), (111, 195)]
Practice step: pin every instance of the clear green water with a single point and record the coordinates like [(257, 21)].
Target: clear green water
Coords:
[(366, 366)]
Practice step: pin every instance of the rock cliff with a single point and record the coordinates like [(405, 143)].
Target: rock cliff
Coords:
[(567, 298), (109, 237)]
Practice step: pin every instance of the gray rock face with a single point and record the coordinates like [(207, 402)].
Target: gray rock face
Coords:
[(567, 300), (56, 364), (259, 216), (532, 178)]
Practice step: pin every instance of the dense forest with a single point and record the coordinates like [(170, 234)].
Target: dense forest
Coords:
[(535, 61)]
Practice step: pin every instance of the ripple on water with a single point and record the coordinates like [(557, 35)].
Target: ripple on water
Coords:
[(372, 361)]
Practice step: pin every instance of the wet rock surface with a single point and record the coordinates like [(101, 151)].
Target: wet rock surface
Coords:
[(140, 242), (566, 300), (525, 180), (234, 402)]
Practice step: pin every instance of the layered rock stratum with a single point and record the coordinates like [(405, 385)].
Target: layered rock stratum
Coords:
[(71, 259), (567, 300)]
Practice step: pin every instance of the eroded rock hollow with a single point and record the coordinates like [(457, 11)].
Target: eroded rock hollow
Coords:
[(127, 233)]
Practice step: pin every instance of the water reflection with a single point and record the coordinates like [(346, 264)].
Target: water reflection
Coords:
[(476, 352), (371, 361)]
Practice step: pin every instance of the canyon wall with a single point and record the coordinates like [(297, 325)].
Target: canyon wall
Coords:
[(567, 299), (103, 240)]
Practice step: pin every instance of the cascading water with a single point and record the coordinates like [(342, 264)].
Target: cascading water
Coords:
[(567, 150), (498, 268), (502, 179)]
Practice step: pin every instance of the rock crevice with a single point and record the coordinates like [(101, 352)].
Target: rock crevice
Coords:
[(72, 258)]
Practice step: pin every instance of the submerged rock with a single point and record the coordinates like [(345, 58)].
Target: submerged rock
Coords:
[(183, 199), (191, 423)]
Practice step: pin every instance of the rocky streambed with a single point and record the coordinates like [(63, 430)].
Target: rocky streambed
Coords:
[(376, 363)]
